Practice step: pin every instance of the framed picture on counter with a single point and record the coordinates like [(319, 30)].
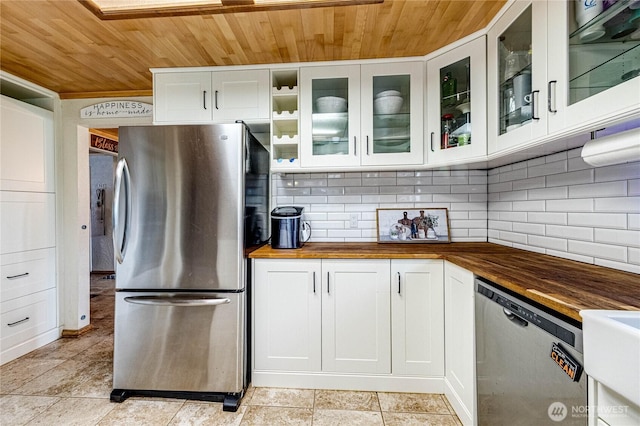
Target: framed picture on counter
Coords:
[(413, 225)]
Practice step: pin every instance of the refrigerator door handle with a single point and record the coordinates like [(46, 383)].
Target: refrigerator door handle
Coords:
[(122, 175), (188, 301)]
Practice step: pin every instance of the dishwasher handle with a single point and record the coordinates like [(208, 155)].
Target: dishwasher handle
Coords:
[(514, 318)]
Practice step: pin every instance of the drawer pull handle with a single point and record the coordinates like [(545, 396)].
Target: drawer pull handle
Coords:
[(13, 277), (13, 324)]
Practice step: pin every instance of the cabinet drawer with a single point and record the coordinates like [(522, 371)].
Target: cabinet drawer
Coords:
[(27, 221), (26, 317), (26, 272)]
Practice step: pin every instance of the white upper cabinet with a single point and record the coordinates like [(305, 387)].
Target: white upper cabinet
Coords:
[(517, 76), (594, 64), (456, 104), (330, 116), (206, 97), (391, 102), (26, 147), (362, 115)]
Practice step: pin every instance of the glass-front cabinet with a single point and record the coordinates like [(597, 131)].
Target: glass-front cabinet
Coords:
[(392, 113), (353, 115), (517, 66), (330, 116), (456, 97), (594, 62)]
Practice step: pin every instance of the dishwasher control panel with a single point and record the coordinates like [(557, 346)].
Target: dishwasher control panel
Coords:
[(528, 314)]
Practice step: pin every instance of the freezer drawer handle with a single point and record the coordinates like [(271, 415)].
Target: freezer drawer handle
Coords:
[(175, 301)]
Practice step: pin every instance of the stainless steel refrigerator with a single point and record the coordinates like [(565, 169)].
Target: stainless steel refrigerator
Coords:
[(190, 202)]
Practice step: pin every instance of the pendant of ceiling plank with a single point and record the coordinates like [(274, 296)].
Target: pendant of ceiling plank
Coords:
[(137, 10)]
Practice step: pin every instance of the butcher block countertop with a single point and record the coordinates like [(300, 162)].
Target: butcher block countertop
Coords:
[(562, 285)]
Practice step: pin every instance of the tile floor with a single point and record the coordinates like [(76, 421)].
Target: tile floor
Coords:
[(68, 382)]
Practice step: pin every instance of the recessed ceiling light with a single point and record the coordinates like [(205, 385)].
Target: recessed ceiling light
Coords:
[(128, 9)]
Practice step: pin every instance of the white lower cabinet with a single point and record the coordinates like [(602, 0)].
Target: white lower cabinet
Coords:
[(417, 317), (459, 330), (287, 327), (340, 324), (356, 319)]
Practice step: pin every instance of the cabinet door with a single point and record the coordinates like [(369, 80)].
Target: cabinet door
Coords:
[(330, 116), (392, 113), (241, 95), (457, 113), (182, 97), (593, 69), (417, 317), (26, 147), (517, 78), (356, 322), (286, 299), (459, 331), (27, 221)]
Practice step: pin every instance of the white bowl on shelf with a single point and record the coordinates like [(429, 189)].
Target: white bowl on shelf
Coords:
[(387, 105), (388, 93), (326, 104)]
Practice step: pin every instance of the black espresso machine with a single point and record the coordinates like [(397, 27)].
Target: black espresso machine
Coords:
[(288, 231)]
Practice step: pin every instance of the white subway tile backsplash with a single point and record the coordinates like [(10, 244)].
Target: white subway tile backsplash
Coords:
[(598, 220), (558, 244), (620, 172), (550, 218), (573, 205), (529, 206), (547, 169), (530, 183), (528, 228), (556, 193), (618, 204), (571, 178), (597, 250), (570, 232), (599, 190), (556, 204), (618, 236)]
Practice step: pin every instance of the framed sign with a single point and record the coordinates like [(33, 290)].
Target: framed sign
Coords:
[(413, 225)]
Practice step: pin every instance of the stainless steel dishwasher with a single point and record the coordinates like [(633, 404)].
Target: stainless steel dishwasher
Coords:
[(528, 363)]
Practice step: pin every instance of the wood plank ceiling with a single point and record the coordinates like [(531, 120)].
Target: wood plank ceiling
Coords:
[(61, 45)]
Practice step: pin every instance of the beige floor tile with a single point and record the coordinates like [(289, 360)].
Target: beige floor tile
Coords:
[(346, 400), (281, 416), (419, 419), (99, 385), (141, 412), (412, 403), (276, 397), (74, 412), (18, 410), (22, 370), (60, 380), (206, 414), (65, 348), (347, 418)]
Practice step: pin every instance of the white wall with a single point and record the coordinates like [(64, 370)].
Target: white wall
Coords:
[(561, 206), (74, 197)]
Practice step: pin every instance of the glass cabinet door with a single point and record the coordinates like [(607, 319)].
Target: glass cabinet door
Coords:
[(514, 74), (329, 108), (456, 84), (594, 63), (392, 113), (517, 76)]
